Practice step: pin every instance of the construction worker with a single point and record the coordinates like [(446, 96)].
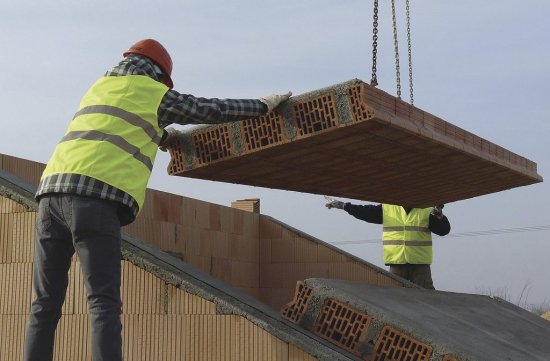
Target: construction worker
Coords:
[(406, 236), (95, 182)]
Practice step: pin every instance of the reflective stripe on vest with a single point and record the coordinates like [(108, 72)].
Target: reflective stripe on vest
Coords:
[(405, 228), (407, 243), (406, 237), (123, 114), (114, 135), (113, 139)]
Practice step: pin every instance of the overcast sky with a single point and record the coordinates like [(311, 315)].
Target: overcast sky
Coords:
[(483, 66)]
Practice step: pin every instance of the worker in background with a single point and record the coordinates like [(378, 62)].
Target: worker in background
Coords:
[(406, 236), (95, 182)]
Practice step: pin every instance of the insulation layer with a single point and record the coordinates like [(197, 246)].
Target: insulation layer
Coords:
[(355, 141)]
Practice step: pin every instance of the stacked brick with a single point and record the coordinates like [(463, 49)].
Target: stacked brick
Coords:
[(348, 328), (354, 141), (380, 323)]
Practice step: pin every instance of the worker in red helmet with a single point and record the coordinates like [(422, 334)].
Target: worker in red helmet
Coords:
[(406, 236), (95, 182)]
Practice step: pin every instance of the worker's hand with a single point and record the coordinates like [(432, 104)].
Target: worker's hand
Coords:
[(168, 139), (272, 101), (437, 211), (335, 204)]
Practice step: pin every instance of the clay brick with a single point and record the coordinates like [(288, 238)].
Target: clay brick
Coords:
[(27, 170), (244, 248), (227, 216), (393, 345), (222, 269), (263, 131), (212, 144), (251, 225), (280, 297), (9, 206), (342, 325), (245, 274), (269, 229), (359, 109), (295, 310), (273, 275), (207, 238), (220, 245), (177, 158), (238, 221), (265, 250), (215, 219), (302, 271), (249, 205), (166, 207), (315, 115), (283, 250), (327, 254), (306, 250)]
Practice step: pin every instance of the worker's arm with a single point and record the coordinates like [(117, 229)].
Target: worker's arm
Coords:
[(367, 213), (371, 213), (439, 224), (187, 109)]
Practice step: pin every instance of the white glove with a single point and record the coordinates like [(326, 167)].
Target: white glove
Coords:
[(333, 203), (272, 101), (169, 139), (437, 211)]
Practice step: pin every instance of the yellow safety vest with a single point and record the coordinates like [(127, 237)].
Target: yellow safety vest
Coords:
[(114, 135), (406, 237)]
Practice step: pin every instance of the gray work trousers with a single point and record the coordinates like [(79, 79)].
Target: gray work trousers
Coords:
[(90, 226), (419, 274)]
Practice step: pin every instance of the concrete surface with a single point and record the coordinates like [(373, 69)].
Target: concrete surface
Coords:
[(464, 326)]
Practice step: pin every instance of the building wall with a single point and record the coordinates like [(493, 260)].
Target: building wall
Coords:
[(247, 250), (160, 321), (218, 240), (288, 256)]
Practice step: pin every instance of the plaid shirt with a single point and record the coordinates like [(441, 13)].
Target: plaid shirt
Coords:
[(174, 108)]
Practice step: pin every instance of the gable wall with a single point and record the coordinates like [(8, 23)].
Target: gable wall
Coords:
[(160, 321)]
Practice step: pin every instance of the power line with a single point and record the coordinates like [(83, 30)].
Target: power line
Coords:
[(490, 232)]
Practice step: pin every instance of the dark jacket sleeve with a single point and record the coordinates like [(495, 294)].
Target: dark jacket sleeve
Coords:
[(369, 213), (374, 214), (441, 227)]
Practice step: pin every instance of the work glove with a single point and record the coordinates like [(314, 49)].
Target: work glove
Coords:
[(272, 101), (437, 211), (333, 203), (168, 139)]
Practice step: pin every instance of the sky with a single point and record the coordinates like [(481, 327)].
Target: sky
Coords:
[(480, 66)]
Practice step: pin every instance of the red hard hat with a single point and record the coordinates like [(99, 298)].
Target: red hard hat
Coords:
[(157, 53)]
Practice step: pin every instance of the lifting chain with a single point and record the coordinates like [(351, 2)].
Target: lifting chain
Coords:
[(396, 49), (374, 80), (410, 52)]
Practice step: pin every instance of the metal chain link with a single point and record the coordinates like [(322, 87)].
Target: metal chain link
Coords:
[(396, 49), (374, 80), (410, 52)]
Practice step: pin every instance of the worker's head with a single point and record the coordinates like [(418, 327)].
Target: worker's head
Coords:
[(158, 54)]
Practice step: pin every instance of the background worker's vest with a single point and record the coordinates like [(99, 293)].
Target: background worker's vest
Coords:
[(406, 237), (114, 135)]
